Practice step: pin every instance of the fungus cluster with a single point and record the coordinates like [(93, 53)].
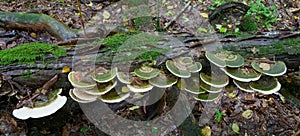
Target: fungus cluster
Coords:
[(259, 76), (204, 87), (99, 84)]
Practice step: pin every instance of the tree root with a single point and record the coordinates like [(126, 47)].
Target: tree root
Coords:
[(36, 22)]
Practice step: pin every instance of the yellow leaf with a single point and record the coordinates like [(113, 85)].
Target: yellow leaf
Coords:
[(90, 4), (106, 14), (200, 29), (204, 15), (206, 131), (170, 7), (65, 69), (134, 107), (253, 50)]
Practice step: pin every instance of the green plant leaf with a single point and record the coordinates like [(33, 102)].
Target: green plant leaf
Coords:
[(223, 30), (84, 129), (218, 115), (154, 129), (218, 26), (205, 15), (200, 29), (235, 127)]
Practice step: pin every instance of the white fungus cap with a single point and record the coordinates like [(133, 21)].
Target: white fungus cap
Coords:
[(38, 112)]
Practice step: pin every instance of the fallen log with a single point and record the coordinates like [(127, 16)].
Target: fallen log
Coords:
[(36, 22)]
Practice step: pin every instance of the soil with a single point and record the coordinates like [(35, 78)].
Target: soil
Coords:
[(272, 115)]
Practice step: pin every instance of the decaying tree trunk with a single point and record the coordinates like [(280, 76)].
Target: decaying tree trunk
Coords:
[(35, 75), (37, 22)]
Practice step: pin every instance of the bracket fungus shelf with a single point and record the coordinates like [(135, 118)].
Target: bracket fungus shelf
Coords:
[(183, 66), (41, 108), (277, 68), (182, 71), (163, 80), (257, 77), (242, 74), (225, 58)]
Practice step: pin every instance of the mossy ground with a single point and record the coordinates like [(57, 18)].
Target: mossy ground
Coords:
[(30, 53)]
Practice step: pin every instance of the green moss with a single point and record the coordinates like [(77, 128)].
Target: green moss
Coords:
[(143, 22), (248, 24), (142, 46), (289, 46), (132, 45), (114, 42), (135, 2), (238, 35), (30, 53)]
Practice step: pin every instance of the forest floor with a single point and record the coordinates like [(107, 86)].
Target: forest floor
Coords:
[(271, 114)]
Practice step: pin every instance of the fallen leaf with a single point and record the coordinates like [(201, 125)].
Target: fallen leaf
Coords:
[(154, 129), (106, 14), (235, 127), (253, 50), (134, 107), (90, 4), (169, 13), (33, 35), (205, 15), (200, 29), (65, 69), (247, 114), (218, 26), (170, 7), (185, 18), (231, 95), (223, 30), (206, 131)]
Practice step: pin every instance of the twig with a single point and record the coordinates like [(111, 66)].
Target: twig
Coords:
[(293, 10), (80, 15), (177, 16), (27, 37), (10, 34), (260, 60), (289, 35), (199, 43), (44, 90)]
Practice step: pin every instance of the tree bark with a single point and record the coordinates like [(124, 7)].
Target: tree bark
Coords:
[(36, 22)]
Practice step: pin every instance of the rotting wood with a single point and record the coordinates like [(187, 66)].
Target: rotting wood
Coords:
[(37, 22)]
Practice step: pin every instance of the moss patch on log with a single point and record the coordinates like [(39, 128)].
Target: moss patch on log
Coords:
[(288, 46), (132, 45), (30, 53), (114, 42)]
